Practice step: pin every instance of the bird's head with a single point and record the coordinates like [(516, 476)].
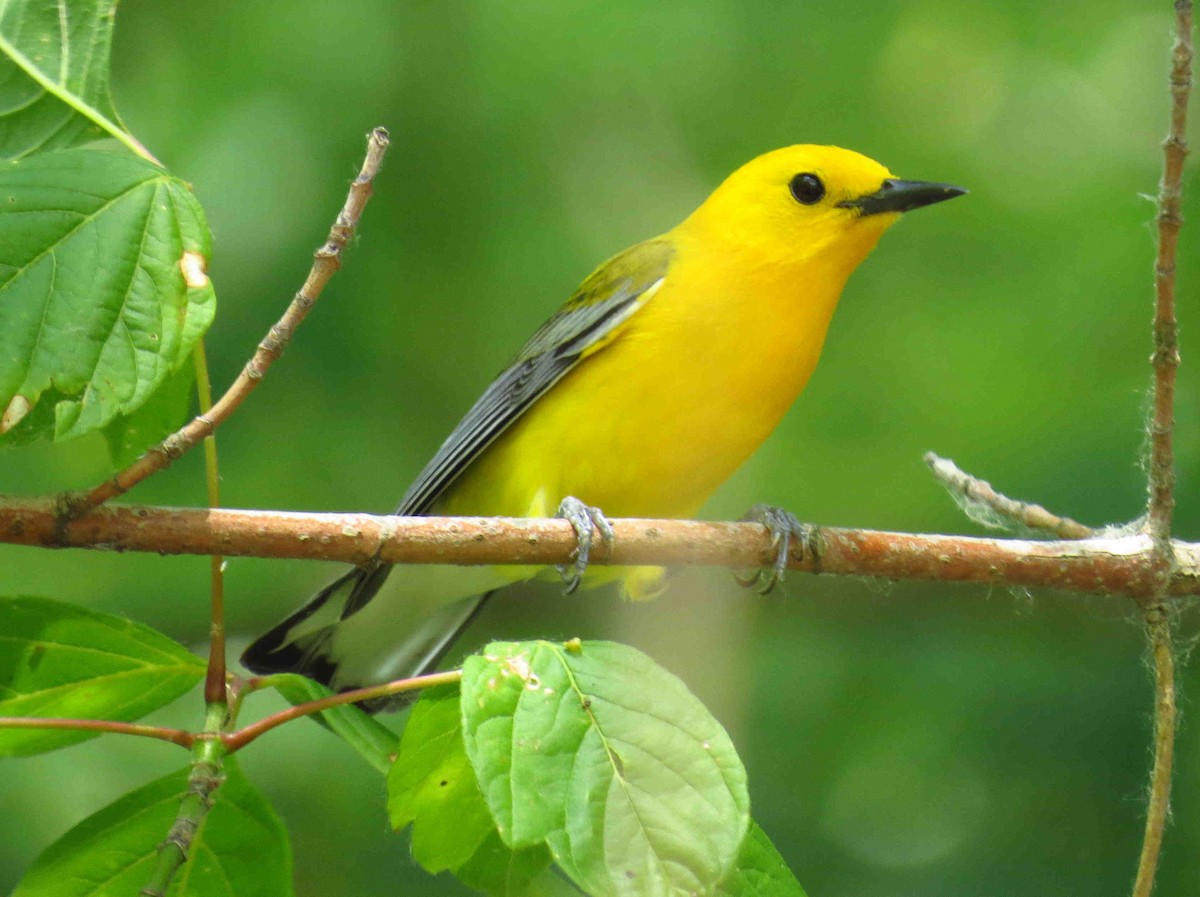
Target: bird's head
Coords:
[(811, 202)]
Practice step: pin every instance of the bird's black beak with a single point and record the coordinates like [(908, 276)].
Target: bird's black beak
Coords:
[(901, 196)]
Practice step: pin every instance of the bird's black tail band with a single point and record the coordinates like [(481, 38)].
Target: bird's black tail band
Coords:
[(286, 648)]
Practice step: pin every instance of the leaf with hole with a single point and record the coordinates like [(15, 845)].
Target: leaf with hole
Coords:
[(58, 660), (102, 289), (594, 750)]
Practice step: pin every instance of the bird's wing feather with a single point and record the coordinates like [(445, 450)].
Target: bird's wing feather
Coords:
[(588, 320), (585, 323)]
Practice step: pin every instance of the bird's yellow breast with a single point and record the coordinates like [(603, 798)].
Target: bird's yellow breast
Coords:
[(651, 423)]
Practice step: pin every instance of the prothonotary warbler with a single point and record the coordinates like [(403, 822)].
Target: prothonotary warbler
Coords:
[(652, 384)]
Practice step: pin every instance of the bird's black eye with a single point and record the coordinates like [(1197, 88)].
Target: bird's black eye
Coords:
[(807, 188)]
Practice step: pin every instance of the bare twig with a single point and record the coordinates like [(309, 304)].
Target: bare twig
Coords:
[(237, 740), (175, 736), (326, 261), (986, 506), (1112, 565), (1158, 804), (1166, 347), (1161, 475)]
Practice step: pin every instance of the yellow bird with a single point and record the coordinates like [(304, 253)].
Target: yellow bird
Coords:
[(656, 380)]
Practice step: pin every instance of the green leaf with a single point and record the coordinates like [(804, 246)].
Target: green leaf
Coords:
[(54, 90), (433, 787), (551, 883), (760, 870), (128, 436), (523, 749), (610, 761), (60, 660), (496, 869), (373, 741), (95, 311), (240, 848)]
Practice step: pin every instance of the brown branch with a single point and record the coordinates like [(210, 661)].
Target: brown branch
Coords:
[(1158, 804), (174, 736), (326, 262), (1166, 346), (1117, 565), (239, 739), (986, 506), (1161, 475)]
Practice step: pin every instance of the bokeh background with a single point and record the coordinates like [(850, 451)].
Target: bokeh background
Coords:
[(900, 739)]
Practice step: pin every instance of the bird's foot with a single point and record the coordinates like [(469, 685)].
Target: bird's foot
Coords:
[(583, 518), (782, 526)]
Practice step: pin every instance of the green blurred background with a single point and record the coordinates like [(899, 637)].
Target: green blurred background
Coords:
[(900, 739)]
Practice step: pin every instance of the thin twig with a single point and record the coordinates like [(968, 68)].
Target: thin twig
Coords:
[(214, 676), (326, 261), (162, 733), (1166, 345), (1110, 565), (204, 779), (1161, 474), (1158, 804), (986, 506), (238, 740)]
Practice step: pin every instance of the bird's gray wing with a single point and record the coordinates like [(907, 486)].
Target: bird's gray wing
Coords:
[(617, 289), (602, 303)]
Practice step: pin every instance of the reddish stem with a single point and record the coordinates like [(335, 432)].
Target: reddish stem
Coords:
[(239, 739), (175, 736)]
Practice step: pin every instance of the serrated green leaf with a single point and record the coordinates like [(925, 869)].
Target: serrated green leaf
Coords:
[(54, 73), (499, 871), (633, 785), (95, 310), (522, 738), (373, 741), (57, 660), (760, 870), (432, 787), (128, 436), (551, 883), (240, 848)]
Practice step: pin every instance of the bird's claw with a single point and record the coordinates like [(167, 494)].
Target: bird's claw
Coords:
[(782, 526), (582, 518)]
